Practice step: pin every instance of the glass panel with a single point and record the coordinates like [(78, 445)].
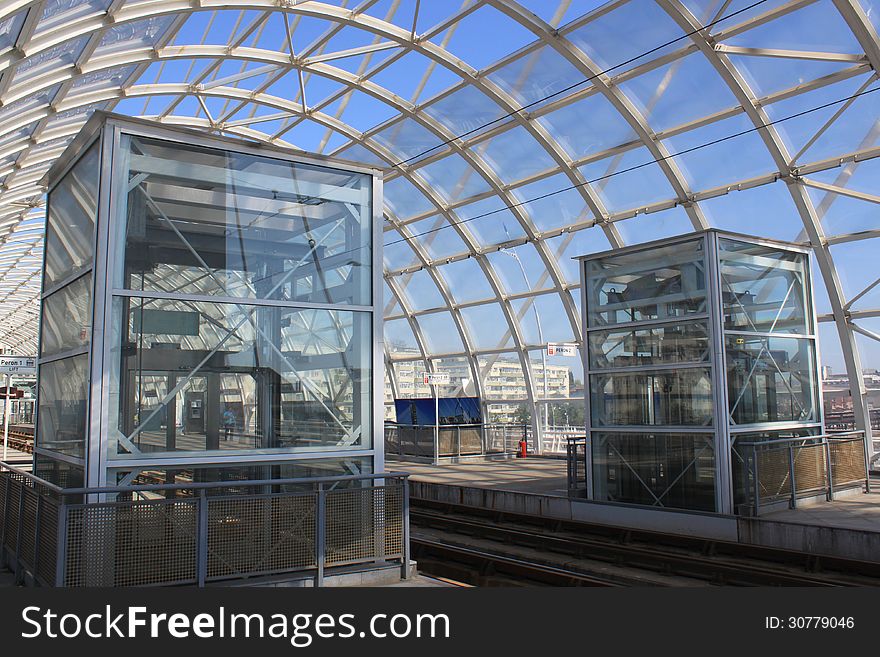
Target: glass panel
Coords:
[(559, 379), (409, 376), (63, 405), (212, 222), (656, 469), (299, 469), (771, 379), (60, 473), (678, 397), (764, 289), (662, 283), (502, 376), (195, 377), (687, 342), (73, 208), (67, 320)]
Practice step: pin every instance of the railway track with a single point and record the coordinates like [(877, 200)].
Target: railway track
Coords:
[(23, 442), (472, 545)]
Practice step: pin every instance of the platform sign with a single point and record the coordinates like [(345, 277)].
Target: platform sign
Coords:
[(436, 378), (18, 365), (562, 349)]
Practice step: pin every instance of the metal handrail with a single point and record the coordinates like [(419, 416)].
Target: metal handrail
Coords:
[(196, 485), (29, 530), (818, 437)]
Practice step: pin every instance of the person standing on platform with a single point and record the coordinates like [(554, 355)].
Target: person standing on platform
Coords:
[(228, 424)]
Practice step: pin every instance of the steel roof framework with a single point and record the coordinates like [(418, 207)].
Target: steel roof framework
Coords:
[(63, 58)]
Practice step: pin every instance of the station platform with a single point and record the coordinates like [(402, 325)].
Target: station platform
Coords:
[(856, 511), (543, 476), (17, 458), (848, 526)]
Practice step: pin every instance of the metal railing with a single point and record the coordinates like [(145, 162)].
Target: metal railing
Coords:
[(195, 533), (452, 440), (576, 461), (786, 470)]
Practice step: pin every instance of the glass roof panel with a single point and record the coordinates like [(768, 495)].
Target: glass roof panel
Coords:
[(861, 269), (815, 26), (490, 221), (363, 111), (855, 128), (415, 77), (58, 13), (403, 198), (646, 27), (437, 237), (488, 326), (407, 139), (622, 186), (550, 209), (767, 210), (727, 14), (543, 319), (841, 214), (10, 28), (397, 252), (421, 290), (568, 246), (685, 89), (453, 179), (520, 269), (465, 111), (805, 130), (538, 75), (466, 281), (51, 59), (440, 333), (469, 42), (655, 226), (17, 108), (515, 155), (725, 160), (139, 34), (588, 126)]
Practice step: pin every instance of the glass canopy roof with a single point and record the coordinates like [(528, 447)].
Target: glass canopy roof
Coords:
[(514, 136)]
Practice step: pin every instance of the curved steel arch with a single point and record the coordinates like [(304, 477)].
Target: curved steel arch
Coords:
[(778, 151)]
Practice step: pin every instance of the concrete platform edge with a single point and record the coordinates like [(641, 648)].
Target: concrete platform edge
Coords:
[(816, 539), (547, 506)]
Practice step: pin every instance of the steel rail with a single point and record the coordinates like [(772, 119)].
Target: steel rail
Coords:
[(705, 559)]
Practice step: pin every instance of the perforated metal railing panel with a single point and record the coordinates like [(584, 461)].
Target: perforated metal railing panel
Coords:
[(187, 540), (131, 543), (12, 487), (250, 536), (809, 468), (847, 462), (773, 473), (28, 539), (47, 542), (392, 518), (352, 516)]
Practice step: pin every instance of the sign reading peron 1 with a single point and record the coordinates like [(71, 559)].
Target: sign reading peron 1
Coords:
[(18, 365), (436, 378), (562, 349)]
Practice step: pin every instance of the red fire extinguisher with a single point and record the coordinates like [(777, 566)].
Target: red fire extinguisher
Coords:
[(523, 447)]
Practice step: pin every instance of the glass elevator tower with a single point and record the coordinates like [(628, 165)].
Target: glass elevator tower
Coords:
[(694, 344), (210, 311)]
